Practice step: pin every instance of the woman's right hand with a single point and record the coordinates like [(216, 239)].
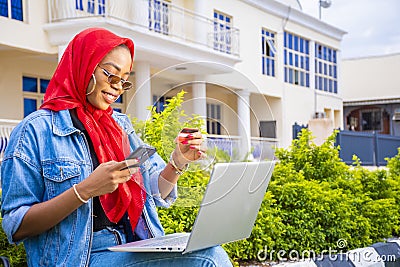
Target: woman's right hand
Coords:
[(106, 178), (44, 215)]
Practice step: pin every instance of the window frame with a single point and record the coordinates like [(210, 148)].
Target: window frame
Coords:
[(159, 16), (374, 120), (119, 105), (37, 95), (326, 68), (296, 59), (159, 102), (214, 122), (93, 7), (11, 10), (268, 52), (223, 25)]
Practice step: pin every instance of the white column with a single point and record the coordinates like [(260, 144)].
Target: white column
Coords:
[(142, 97), (61, 49), (244, 126), (201, 30), (282, 124), (312, 77), (199, 92), (280, 64), (339, 87)]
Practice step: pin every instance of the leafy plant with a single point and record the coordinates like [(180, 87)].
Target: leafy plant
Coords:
[(15, 253), (314, 199), (161, 129)]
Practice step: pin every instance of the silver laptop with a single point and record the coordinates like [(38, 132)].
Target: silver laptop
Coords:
[(228, 211)]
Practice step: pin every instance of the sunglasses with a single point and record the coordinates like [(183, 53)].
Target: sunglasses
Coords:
[(114, 79)]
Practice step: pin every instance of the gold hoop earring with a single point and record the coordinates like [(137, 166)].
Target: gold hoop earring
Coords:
[(94, 85)]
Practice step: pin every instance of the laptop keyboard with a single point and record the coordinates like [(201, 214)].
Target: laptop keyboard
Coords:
[(169, 242)]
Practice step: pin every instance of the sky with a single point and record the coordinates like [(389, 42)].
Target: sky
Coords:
[(372, 26)]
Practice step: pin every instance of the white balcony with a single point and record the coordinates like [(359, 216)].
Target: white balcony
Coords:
[(162, 32), (262, 148)]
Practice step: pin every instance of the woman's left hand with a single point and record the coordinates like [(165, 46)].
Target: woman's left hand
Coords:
[(188, 148)]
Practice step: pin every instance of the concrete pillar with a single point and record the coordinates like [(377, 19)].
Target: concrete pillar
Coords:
[(244, 126), (279, 67), (61, 49), (142, 97), (284, 127), (312, 77), (199, 92), (202, 27)]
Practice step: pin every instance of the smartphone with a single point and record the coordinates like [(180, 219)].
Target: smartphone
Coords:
[(183, 134), (141, 154), (189, 130)]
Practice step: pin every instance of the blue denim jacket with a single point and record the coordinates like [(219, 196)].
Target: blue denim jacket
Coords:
[(46, 155)]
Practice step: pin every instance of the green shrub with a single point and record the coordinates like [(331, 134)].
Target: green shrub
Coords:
[(320, 163), (394, 165), (15, 253), (161, 129), (314, 199)]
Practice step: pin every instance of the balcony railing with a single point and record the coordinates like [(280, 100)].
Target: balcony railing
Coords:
[(261, 148), (6, 126), (154, 17)]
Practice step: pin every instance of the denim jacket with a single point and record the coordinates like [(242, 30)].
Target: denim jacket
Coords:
[(46, 155)]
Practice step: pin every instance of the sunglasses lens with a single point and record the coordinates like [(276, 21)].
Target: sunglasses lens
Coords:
[(126, 85), (113, 79)]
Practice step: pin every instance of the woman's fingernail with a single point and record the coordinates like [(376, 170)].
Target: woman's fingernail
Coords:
[(199, 153), (192, 147), (184, 142)]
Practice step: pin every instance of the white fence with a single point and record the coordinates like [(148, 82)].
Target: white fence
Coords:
[(6, 126)]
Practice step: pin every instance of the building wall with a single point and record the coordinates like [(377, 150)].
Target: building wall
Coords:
[(14, 65), (372, 83), (371, 78), (299, 104), (30, 34), (270, 99)]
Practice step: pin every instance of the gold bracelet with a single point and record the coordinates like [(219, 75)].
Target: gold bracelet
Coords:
[(79, 196), (177, 170)]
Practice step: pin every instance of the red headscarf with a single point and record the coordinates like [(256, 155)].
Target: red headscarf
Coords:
[(67, 90)]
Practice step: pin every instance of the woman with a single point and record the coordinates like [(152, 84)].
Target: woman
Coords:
[(66, 193)]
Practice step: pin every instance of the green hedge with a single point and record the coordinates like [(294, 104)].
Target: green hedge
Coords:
[(313, 201), (15, 253)]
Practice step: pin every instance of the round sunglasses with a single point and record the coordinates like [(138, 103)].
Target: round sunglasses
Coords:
[(114, 79)]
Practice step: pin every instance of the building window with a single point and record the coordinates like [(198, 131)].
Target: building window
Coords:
[(93, 6), (159, 102), (79, 5), (296, 60), (222, 32), (268, 52), (371, 120), (325, 69), (213, 119), (12, 9), (33, 92), (159, 16), (118, 105)]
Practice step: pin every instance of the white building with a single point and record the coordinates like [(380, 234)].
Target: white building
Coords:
[(371, 94), (253, 68)]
